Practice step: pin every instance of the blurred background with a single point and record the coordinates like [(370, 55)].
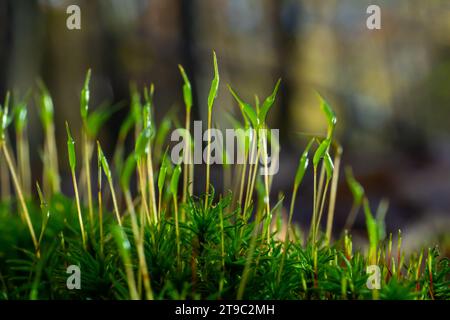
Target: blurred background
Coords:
[(390, 88)]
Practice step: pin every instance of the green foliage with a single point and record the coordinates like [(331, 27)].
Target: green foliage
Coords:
[(220, 250)]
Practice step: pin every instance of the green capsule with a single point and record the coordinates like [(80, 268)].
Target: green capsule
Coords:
[(214, 84), (84, 98), (187, 89), (45, 106), (329, 114), (142, 143), (321, 152), (71, 149), (162, 176), (268, 103), (174, 180), (246, 109), (103, 161), (302, 165), (329, 166)]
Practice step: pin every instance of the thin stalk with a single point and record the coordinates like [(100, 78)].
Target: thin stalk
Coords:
[(53, 158), (313, 220), (100, 214), (21, 197), (222, 239), (250, 173), (151, 185), (286, 236), (87, 171), (143, 269), (253, 179), (188, 157), (243, 174), (177, 230), (191, 172), (124, 248), (266, 183), (321, 183), (45, 212), (208, 158), (417, 274), (5, 182), (142, 189), (222, 247), (80, 217), (247, 269), (322, 205), (129, 203), (333, 192), (114, 199)]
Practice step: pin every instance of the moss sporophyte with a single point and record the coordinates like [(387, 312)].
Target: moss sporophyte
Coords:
[(140, 231)]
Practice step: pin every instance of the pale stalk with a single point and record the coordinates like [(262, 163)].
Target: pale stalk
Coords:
[(188, 157), (208, 158), (5, 183), (113, 195), (286, 236), (100, 218), (177, 230), (250, 171), (322, 205), (20, 195), (333, 192), (143, 194), (253, 181), (140, 247), (87, 172), (53, 159), (243, 174), (313, 219), (321, 181), (80, 217), (266, 183), (151, 185)]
